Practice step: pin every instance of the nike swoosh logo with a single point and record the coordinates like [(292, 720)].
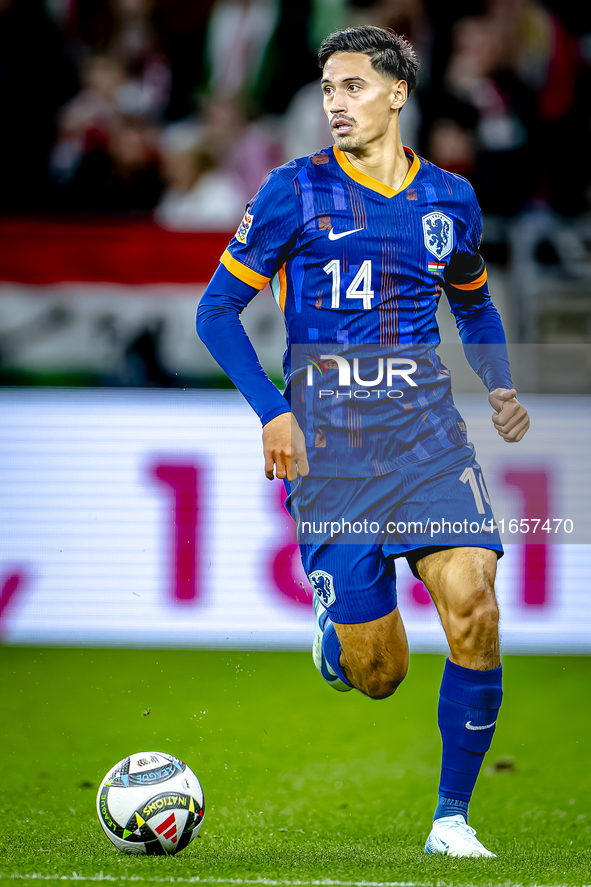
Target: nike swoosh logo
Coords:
[(333, 236), (470, 726)]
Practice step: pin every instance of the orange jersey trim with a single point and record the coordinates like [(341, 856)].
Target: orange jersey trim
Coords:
[(282, 287), (476, 284), (368, 181), (242, 272)]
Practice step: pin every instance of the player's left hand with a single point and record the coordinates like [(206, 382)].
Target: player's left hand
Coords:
[(510, 419), (284, 448)]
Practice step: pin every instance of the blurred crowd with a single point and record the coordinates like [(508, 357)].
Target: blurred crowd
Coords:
[(180, 107)]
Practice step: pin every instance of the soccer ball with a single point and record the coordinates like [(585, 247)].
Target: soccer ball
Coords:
[(150, 803)]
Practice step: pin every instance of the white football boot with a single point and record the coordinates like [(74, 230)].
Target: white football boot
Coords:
[(452, 836), (319, 661)]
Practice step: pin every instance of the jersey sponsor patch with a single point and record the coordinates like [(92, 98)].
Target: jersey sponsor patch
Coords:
[(244, 228), (323, 585), (438, 232)]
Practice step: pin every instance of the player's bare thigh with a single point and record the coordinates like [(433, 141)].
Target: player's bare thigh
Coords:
[(461, 584), (375, 654)]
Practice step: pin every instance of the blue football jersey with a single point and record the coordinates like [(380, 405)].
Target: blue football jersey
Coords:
[(357, 269)]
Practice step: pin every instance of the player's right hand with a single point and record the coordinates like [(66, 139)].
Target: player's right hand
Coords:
[(284, 448), (510, 419)]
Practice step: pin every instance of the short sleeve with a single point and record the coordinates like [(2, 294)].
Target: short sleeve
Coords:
[(466, 269), (469, 243), (266, 234)]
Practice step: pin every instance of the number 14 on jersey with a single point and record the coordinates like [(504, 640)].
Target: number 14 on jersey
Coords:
[(359, 288)]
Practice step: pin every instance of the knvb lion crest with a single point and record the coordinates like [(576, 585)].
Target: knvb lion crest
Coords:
[(323, 586), (438, 230)]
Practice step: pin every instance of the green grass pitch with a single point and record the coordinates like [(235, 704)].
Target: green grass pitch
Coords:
[(302, 784)]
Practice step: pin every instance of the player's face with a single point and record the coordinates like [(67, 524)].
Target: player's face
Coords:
[(361, 105)]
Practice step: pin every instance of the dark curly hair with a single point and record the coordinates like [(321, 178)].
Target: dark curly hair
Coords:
[(391, 55)]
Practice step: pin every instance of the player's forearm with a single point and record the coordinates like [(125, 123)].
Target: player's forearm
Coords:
[(220, 329), (478, 321), (485, 346)]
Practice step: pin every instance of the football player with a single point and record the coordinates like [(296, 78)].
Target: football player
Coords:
[(358, 241)]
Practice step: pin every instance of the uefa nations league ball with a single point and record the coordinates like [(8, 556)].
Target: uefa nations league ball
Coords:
[(150, 803)]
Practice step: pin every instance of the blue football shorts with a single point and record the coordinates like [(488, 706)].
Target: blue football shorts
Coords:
[(350, 530)]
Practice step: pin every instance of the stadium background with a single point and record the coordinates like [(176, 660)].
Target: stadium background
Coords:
[(133, 507)]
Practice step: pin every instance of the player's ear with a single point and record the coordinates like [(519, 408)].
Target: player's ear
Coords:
[(399, 94)]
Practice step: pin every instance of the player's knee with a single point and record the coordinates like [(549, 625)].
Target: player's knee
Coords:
[(476, 618), (479, 605), (380, 682)]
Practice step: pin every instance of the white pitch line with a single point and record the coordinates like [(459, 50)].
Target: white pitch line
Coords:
[(266, 882)]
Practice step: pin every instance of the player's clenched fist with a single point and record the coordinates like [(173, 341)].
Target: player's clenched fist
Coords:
[(284, 448), (511, 418)]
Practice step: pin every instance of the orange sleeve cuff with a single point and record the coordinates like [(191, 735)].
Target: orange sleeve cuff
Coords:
[(243, 273)]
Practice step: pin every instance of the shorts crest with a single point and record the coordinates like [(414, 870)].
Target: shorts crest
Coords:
[(438, 232), (323, 585)]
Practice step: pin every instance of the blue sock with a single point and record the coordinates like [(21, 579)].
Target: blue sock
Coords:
[(469, 703), (331, 650), (450, 807)]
